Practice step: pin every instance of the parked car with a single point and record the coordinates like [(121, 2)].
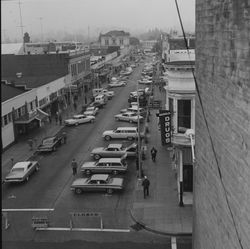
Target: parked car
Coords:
[(21, 171), (79, 119), (134, 109), (129, 133), (114, 150), (109, 94), (91, 111), (105, 165), (99, 182), (102, 99), (129, 117), (117, 84), (145, 81), (50, 143)]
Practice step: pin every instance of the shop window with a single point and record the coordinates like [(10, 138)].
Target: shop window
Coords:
[(187, 178), (5, 119), (184, 115)]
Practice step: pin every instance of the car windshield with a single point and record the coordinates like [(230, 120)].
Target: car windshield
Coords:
[(17, 170), (48, 141)]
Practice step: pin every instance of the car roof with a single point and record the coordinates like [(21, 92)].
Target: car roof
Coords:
[(127, 128), (78, 116), (99, 177), (115, 146), (110, 160), (22, 164)]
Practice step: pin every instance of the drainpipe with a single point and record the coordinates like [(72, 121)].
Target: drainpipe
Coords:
[(181, 204)]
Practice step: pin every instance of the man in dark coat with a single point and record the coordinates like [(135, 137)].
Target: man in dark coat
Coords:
[(145, 184), (153, 153)]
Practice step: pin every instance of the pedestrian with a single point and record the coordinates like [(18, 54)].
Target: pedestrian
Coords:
[(153, 153), (64, 135), (74, 166), (60, 119), (30, 142), (56, 117), (145, 184), (75, 105)]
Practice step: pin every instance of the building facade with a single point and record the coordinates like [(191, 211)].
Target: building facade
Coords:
[(222, 174), (115, 38)]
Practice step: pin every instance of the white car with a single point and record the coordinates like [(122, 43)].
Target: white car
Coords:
[(21, 171), (91, 111), (134, 109), (79, 119), (145, 81), (129, 117), (129, 133), (109, 94), (117, 84)]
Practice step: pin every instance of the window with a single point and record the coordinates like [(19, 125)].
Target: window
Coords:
[(113, 41), (121, 41), (5, 119), (107, 42), (31, 106), (184, 115)]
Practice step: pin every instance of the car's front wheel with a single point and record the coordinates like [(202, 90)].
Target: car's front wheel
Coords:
[(92, 120), (76, 124), (97, 157), (107, 138), (27, 178), (109, 191), (78, 191)]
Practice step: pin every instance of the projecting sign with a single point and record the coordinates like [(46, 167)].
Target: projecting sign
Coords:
[(165, 123)]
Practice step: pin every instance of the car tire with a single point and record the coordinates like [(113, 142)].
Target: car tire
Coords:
[(76, 124), (92, 121), (114, 172), (27, 179), (107, 138), (130, 138), (109, 191), (37, 168), (117, 119), (78, 191), (97, 156), (54, 149), (88, 172), (131, 121)]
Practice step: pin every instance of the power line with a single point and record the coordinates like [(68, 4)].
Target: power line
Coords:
[(209, 133)]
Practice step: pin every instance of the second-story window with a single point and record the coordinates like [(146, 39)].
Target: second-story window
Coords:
[(184, 115), (106, 42), (121, 41), (113, 41)]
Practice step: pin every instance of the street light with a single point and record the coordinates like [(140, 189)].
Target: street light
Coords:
[(190, 133), (139, 138)]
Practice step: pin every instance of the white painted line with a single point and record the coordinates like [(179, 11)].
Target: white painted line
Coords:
[(173, 243), (82, 229), (28, 209)]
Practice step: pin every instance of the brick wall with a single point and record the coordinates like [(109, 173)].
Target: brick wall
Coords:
[(223, 76)]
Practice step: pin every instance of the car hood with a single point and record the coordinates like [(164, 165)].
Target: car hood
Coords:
[(88, 164), (107, 132), (98, 149), (70, 120), (89, 113), (79, 181), (14, 175), (44, 146), (117, 181)]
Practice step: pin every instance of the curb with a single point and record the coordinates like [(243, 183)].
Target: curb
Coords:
[(165, 233)]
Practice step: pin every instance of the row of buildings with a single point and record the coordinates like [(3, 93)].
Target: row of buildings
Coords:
[(41, 79)]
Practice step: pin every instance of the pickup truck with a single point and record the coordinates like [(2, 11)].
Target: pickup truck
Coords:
[(50, 143)]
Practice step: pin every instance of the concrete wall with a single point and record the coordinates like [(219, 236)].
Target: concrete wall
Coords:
[(223, 76)]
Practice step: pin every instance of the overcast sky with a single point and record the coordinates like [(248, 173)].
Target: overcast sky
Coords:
[(43, 16)]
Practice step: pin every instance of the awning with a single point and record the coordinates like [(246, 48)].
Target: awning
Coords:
[(41, 115)]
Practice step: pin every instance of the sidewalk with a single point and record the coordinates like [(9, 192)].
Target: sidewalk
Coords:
[(20, 151), (160, 211)]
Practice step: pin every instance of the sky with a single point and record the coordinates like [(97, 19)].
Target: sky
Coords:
[(94, 16)]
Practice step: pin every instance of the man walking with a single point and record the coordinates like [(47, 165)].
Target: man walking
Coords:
[(153, 153), (74, 166), (145, 184)]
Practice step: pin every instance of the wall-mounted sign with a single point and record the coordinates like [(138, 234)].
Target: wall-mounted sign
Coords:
[(165, 125)]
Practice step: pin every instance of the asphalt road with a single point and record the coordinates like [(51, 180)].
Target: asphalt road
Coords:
[(50, 187)]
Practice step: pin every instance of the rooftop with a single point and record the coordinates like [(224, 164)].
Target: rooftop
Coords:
[(179, 43), (116, 33), (12, 48), (9, 92)]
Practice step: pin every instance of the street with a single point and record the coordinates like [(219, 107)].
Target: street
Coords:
[(50, 187)]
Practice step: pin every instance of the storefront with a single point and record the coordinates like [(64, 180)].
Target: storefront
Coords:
[(182, 162)]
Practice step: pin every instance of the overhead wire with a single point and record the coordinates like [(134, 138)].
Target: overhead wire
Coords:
[(209, 133)]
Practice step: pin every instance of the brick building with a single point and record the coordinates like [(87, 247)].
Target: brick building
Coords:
[(222, 174)]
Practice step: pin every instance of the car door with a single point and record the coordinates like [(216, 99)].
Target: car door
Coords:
[(111, 152), (92, 185), (83, 120)]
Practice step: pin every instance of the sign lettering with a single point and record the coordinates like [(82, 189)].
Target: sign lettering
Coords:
[(165, 124)]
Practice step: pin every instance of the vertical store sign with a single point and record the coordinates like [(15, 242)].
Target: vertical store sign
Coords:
[(165, 122)]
